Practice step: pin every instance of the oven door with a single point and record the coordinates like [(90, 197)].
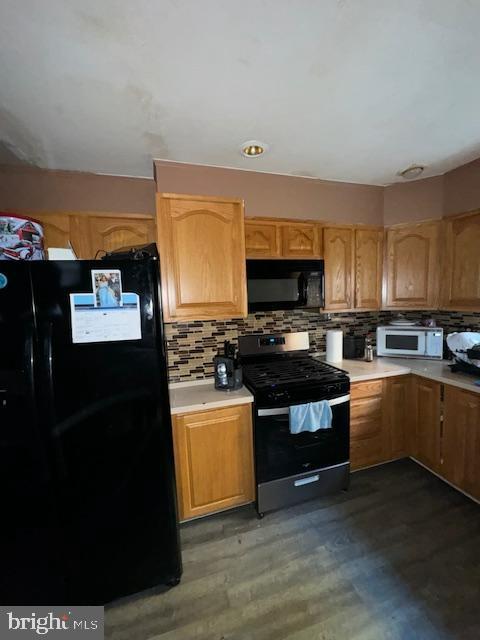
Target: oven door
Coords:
[(398, 342), (279, 454)]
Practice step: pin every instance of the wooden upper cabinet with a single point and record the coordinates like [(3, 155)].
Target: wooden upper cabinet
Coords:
[(412, 270), (56, 227), (262, 240), (338, 248), (461, 282), (213, 460), (201, 241), (368, 268), (92, 235), (300, 240), (461, 440), (108, 234), (276, 238)]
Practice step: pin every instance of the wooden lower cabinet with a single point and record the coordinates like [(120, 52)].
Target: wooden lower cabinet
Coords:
[(368, 434), (213, 460), (427, 418), (399, 421), (382, 421), (460, 444)]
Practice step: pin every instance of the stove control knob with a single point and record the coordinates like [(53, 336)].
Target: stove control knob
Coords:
[(278, 395)]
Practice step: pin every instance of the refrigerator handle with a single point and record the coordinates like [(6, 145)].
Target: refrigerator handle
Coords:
[(48, 368), (28, 355), (49, 396)]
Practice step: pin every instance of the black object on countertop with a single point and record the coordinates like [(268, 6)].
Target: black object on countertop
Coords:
[(353, 346), (86, 455), (460, 366), (227, 369)]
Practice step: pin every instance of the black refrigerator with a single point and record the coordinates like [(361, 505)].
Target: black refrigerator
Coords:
[(86, 457)]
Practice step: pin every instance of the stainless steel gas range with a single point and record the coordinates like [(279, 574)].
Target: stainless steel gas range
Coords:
[(280, 373)]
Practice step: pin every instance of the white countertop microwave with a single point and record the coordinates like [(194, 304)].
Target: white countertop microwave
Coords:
[(410, 342)]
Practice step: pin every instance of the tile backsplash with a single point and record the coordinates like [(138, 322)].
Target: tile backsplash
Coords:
[(192, 346)]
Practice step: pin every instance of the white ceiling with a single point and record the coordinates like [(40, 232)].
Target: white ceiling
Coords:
[(340, 89)]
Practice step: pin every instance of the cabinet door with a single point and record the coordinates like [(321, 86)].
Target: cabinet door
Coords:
[(426, 447), (202, 252), (368, 268), (338, 248), (368, 437), (300, 240), (213, 460), (461, 440), (461, 291), (412, 266), (398, 414), (56, 227), (262, 240), (98, 234)]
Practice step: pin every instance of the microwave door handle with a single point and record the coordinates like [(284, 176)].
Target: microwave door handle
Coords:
[(322, 293), (302, 289)]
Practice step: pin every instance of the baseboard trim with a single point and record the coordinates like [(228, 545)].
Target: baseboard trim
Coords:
[(377, 464), (454, 486)]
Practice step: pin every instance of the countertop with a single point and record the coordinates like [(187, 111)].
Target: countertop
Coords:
[(199, 395), (438, 370)]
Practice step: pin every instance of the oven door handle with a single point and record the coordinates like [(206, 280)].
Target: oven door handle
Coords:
[(284, 410)]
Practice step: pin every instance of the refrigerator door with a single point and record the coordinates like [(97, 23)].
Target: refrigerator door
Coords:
[(30, 571), (105, 406)]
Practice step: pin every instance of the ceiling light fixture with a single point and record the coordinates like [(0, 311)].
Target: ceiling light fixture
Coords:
[(253, 148), (411, 172)]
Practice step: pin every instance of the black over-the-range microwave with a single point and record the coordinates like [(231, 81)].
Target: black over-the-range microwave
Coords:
[(285, 284)]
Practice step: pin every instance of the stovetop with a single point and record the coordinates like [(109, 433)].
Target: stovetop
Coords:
[(278, 370), (290, 371), (283, 380)]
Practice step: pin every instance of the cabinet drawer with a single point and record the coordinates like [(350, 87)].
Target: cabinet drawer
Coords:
[(367, 428), (366, 389), (366, 452), (366, 409)]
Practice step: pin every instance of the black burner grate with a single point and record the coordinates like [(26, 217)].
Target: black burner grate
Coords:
[(290, 372)]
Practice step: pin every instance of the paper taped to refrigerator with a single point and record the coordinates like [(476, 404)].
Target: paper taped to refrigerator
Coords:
[(91, 323)]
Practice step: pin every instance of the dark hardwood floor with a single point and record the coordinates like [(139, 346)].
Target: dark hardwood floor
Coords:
[(397, 557)]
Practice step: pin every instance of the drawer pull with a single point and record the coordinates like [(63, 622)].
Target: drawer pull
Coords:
[(302, 481)]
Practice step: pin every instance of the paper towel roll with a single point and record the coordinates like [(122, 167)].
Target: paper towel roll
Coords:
[(334, 345)]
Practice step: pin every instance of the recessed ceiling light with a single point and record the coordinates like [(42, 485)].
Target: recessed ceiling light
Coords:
[(253, 148), (411, 172)]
